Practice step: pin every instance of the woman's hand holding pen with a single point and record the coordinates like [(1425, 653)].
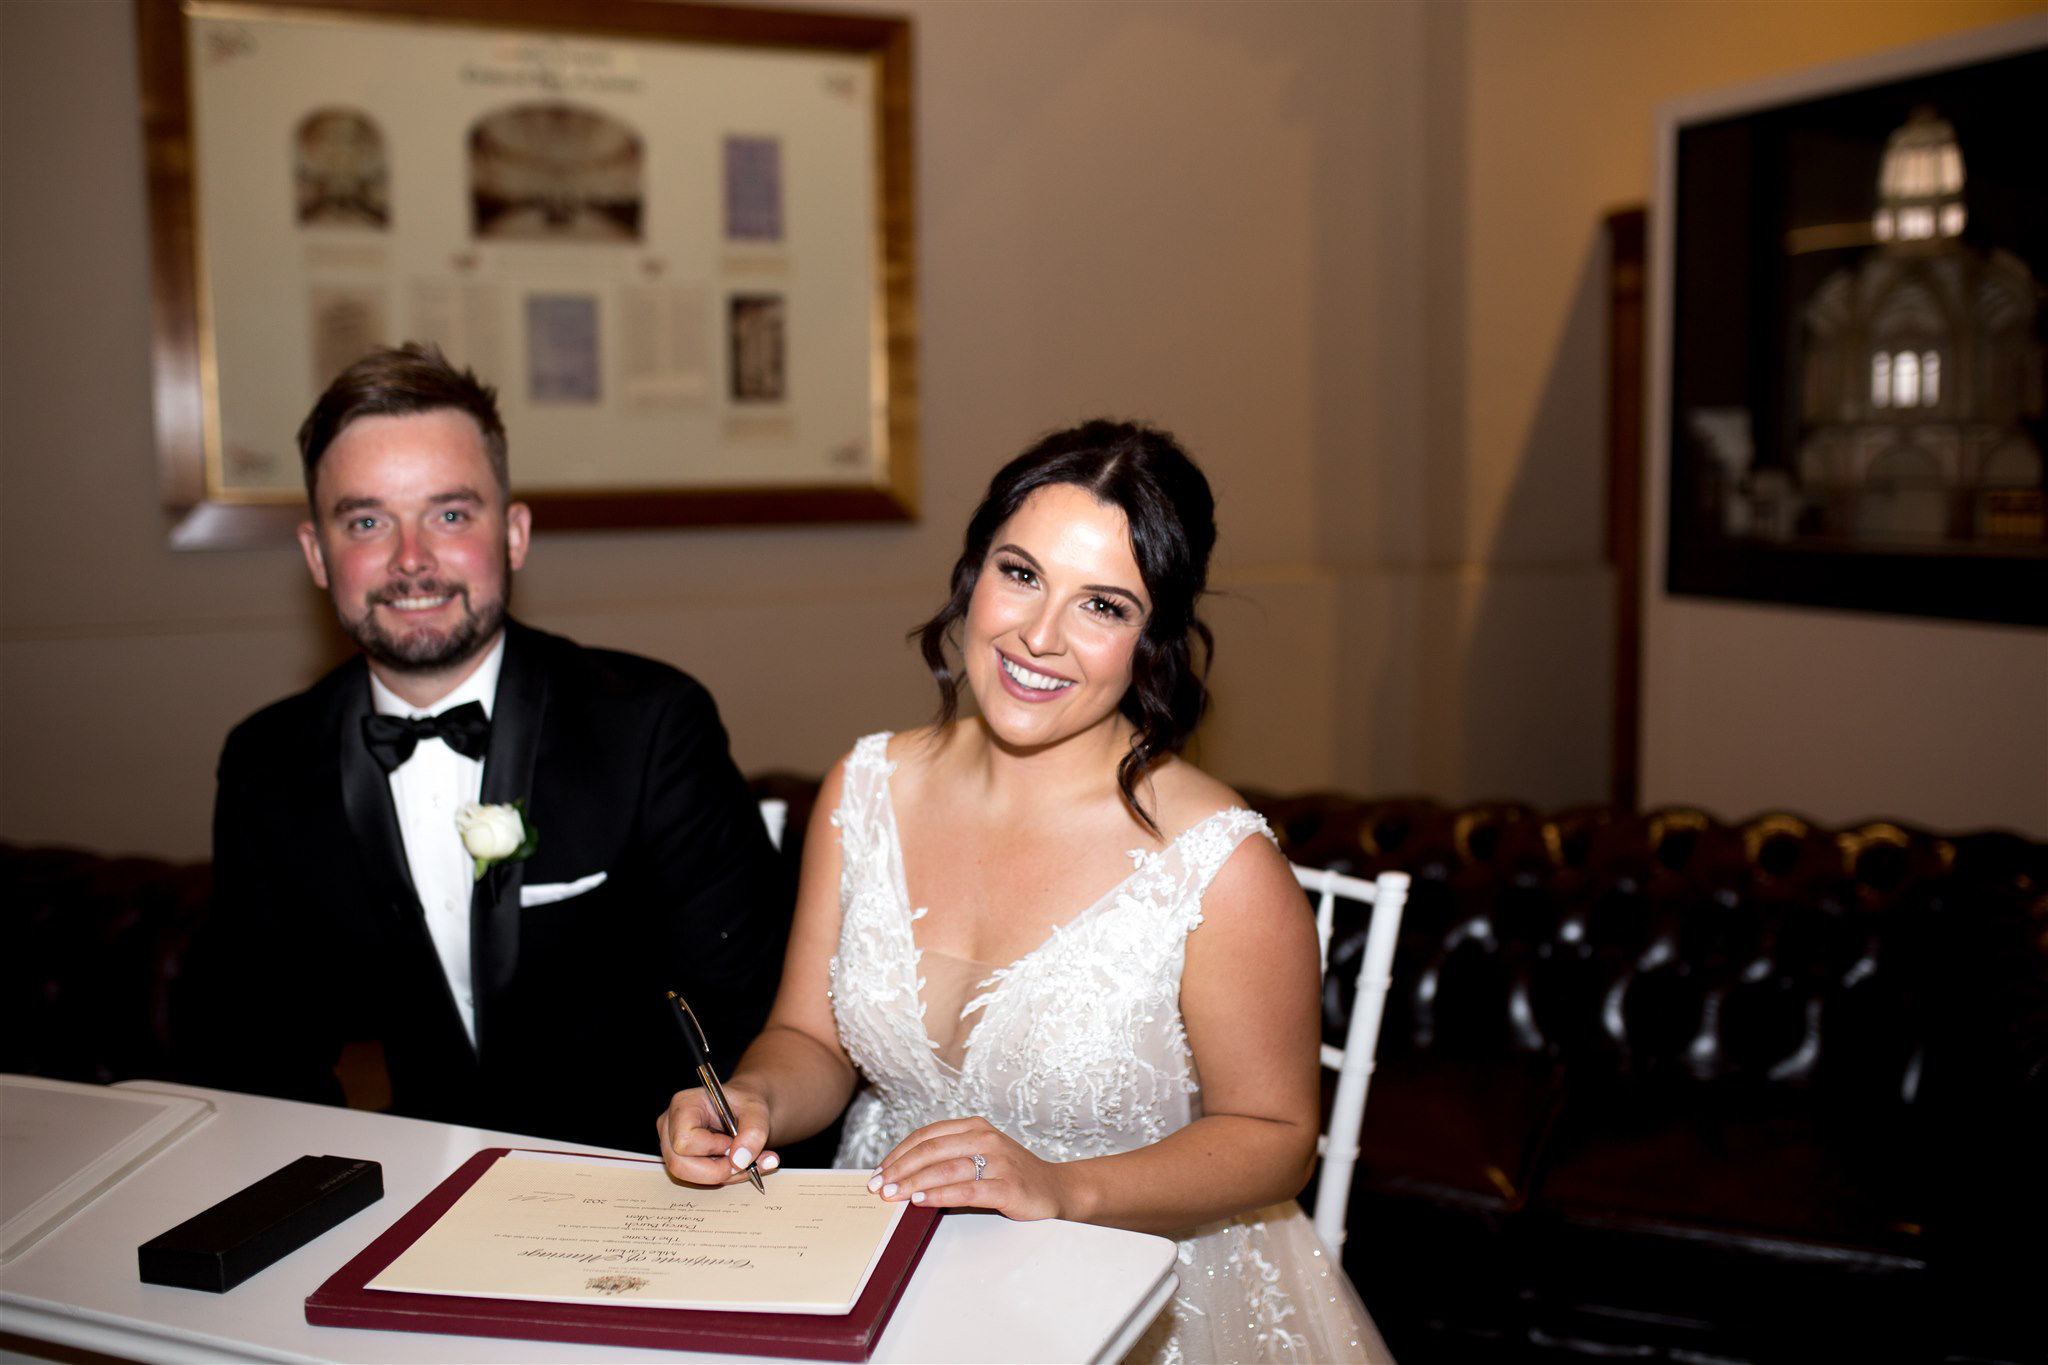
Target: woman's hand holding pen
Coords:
[(694, 1144)]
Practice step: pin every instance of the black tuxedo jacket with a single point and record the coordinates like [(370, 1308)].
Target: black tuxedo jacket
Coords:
[(317, 936)]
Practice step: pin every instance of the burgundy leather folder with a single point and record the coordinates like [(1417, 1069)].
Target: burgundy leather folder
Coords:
[(344, 1301)]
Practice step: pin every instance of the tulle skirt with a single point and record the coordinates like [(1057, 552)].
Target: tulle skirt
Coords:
[(1260, 1287)]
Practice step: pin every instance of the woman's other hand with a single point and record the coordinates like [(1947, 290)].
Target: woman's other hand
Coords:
[(936, 1166), (694, 1145)]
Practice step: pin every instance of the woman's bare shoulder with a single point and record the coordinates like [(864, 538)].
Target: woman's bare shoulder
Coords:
[(924, 756), (917, 745), (1185, 796)]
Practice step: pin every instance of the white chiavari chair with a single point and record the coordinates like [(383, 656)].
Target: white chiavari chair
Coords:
[(1385, 895)]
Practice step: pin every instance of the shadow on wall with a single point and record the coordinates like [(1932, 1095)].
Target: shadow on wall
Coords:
[(1537, 654)]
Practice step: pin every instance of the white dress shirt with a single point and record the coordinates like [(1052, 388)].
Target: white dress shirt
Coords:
[(428, 789)]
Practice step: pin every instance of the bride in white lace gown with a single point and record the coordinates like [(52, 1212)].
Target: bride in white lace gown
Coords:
[(1070, 975)]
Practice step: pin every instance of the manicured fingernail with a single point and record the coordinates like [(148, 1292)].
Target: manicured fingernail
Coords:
[(875, 1184), (889, 1190), (770, 1162), (917, 1198), (741, 1158)]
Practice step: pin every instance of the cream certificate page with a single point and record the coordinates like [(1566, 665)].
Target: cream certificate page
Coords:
[(585, 1229)]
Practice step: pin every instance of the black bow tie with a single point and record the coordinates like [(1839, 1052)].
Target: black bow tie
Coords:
[(465, 729)]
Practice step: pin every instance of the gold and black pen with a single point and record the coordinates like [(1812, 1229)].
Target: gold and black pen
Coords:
[(693, 1034)]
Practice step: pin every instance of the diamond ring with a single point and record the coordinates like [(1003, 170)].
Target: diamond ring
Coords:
[(980, 1165)]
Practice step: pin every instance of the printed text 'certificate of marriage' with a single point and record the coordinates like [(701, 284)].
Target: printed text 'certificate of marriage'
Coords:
[(575, 1229)]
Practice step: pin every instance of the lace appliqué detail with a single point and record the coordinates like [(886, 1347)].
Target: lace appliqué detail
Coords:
[(1077, 1049)]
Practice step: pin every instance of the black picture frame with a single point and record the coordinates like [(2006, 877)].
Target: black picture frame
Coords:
[(1796, 278)]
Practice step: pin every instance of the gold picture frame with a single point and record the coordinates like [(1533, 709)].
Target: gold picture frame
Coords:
[(678, 238)]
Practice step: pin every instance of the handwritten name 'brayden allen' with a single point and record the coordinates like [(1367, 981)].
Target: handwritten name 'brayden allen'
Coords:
[(667, 1258)]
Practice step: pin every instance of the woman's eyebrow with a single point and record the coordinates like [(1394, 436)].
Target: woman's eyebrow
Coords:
[(1010, 548)]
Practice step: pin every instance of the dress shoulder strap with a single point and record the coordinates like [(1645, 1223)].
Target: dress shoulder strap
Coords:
[(871, 753), (866, 780), (1207, 845)]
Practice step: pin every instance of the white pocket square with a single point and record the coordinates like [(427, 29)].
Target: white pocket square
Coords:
[(547, 893)]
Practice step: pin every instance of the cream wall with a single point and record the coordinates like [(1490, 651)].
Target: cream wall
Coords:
[(1838, 715), (1347, 251), (1184, 212)]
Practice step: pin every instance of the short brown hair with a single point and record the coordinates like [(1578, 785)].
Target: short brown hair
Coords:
[(396, 381)]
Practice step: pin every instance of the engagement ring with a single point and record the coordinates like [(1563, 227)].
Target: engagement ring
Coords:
[(980, 1165)]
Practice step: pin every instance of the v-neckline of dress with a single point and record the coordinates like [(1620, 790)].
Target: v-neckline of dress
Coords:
[(1142, 861)]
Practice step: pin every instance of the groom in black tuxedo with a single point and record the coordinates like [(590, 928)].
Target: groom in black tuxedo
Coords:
[(513, 965)]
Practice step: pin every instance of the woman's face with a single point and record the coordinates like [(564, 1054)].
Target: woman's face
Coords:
[(1055, 618)]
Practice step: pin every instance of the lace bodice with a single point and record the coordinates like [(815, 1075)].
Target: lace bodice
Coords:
[(1076, 1049)]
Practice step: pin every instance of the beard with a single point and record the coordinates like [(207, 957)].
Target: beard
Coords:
[(425, 650)]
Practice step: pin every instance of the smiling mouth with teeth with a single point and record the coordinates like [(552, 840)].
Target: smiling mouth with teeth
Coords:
[(426, 595), (1037, 682)]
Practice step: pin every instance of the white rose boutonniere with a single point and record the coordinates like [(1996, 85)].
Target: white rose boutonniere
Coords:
[(496, 834)]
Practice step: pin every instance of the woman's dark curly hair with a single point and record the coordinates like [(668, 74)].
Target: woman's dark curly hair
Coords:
[(1172, 517)]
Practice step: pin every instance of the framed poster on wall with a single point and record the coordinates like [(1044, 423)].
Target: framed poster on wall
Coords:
[(675, 237), (1850, 341)]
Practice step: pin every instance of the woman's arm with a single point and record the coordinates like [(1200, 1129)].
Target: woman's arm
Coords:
[(1250, 1000), (795, 1079)]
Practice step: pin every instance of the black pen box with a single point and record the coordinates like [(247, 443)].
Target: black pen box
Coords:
[(262, 1223)]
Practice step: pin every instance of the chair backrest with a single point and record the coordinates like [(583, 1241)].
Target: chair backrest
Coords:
[(1353, 1062)]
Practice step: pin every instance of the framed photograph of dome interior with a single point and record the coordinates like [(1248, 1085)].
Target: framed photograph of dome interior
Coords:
[(1849, 403), (675, 237)]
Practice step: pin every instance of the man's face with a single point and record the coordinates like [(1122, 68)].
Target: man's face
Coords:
[(414, 541)]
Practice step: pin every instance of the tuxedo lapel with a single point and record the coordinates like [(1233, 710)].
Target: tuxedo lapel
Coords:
[(380, 846), (366, 798), (516, 719)]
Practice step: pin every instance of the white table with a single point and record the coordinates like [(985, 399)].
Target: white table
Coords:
[(987, 1289)]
